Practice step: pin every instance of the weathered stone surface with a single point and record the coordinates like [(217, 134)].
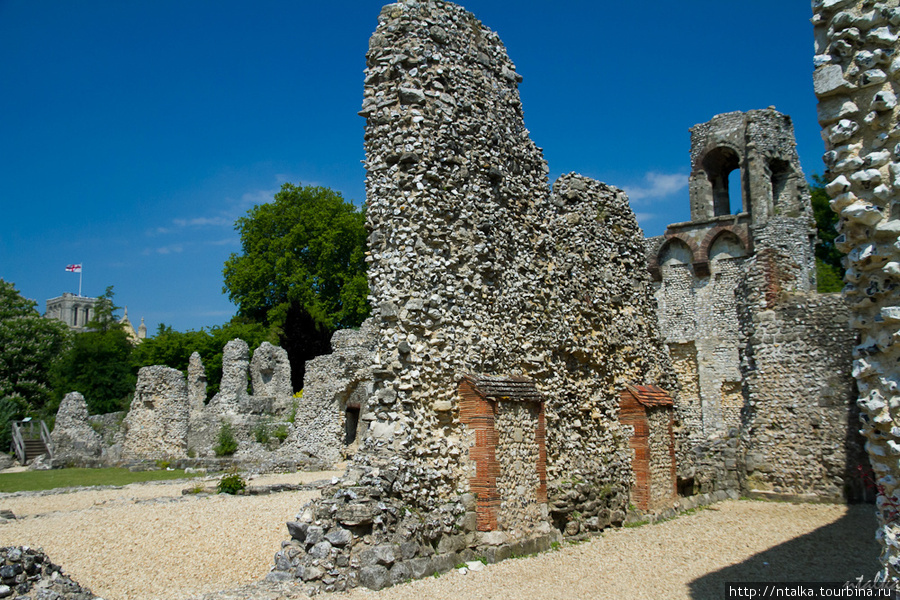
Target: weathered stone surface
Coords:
[(252, 417), (339, 537), (233, 388), (28, 573), (375, 577), (270, 373), (870, 243), (157, 423), (73, 437), (747, 333), (196, 381), (331, 413)]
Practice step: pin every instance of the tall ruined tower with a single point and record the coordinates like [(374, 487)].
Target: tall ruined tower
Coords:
[(763, 361)]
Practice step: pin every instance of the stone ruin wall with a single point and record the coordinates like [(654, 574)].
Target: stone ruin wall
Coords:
[(72, 436), (169, 418), (799, 422), (662, 475), (157, 422), (475, 267), (762, 360), (856, 81), (335, 389)]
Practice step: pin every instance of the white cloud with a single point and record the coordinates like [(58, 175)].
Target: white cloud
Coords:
[(231, 241), (170, 249), (250, 199), (657, 185), (204, 222)]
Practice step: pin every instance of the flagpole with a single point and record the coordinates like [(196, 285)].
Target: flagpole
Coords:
[(79, 279)]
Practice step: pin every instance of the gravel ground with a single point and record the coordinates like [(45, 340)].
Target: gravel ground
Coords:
[(147, 542)]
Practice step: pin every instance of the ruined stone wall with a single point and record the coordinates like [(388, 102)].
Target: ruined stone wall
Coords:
[(702, 311), (196, 382), (855, 79), (801, 421), (475, 267), (157, 422), (270, 375), (332, 384), (73, 437), (518, 453)]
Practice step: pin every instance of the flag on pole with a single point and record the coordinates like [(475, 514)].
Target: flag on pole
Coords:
[(73, 268)]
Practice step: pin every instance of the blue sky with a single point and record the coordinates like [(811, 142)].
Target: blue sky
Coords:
[(133, 134)]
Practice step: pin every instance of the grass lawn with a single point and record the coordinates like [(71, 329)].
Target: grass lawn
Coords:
[(29, 481)]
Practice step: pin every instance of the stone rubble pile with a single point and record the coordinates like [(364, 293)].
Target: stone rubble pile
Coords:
[(28, 573)]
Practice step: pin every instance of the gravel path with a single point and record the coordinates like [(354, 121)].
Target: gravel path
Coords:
[(147, 542)]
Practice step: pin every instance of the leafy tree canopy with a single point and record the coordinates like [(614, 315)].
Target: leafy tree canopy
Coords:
[(29, 344), (829, 270), (306, 249)]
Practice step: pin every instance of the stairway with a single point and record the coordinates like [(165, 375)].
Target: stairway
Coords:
[(34, 448)]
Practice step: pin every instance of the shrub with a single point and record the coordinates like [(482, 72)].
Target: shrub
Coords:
[(261, 432), (232, 483), (281, 432), (227, 444)]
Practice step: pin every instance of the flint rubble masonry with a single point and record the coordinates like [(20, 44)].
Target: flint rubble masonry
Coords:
[(857, 65), (477, 268)]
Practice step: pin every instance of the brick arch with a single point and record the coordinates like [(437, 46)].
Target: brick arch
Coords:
[(719, 230), (692, 246), (654, 264)]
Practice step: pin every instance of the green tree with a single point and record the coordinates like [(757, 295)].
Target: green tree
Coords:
[(302, 268), (29, 345), (98, 362), (829, 270)]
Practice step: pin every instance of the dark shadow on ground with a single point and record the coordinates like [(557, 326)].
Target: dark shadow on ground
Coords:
[(841, 552)]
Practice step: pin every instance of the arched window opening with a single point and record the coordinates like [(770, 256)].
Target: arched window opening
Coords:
[(719, 165), (781, 174), (74, 316), (727, 245), (675, 252)]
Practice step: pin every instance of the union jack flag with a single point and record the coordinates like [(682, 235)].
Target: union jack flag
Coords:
[(74, 268)]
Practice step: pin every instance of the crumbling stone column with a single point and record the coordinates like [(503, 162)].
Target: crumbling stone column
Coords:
[(270, 373), (196, 383), (857, 76), (235, 363), (157, 423)]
